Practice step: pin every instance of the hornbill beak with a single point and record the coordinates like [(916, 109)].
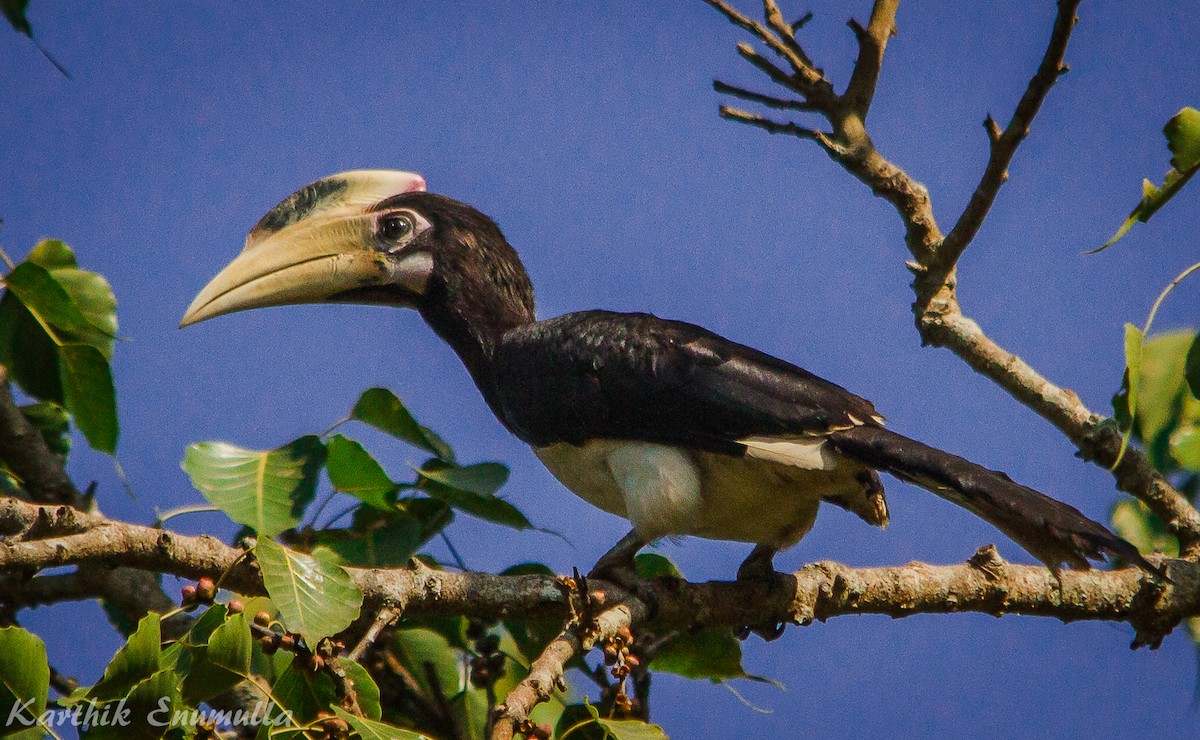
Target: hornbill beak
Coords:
[(316, 245)]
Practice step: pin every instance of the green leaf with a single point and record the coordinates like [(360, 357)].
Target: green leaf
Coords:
[(418, 646), (46, 298), (632, 729), (97, 304), (580, 720), (1133, 365), (354, 471), (384, 410), (1161, 401), (1185, 448), (88, 291), (712, 653), (315, 596), (28, 351), (364, 686), (222, 663), (1183, 140), (54, 424), (52, 254), (1135, 523), (148, 711), (138, 659), (89, 395), (370, 729), (202, 628), (481, 479), (266, 490), (24, 675), (14, 11), (1191, 367), (584, 722), (301, 694), (471, 489), (653, 565), (378, 540)]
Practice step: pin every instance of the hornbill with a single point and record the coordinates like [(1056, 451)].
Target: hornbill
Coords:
[(671, 426)]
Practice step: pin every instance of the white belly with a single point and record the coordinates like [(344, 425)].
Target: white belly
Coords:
[(665, 491)]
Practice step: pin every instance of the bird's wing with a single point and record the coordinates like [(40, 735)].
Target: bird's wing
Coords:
[(603, 375), (598, 374)]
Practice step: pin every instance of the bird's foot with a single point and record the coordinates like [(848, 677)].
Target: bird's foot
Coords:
[(617, 566), (759, 568)]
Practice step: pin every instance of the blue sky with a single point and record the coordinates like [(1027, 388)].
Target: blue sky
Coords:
[(589, 132)]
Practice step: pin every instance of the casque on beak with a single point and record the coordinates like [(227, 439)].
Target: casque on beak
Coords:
[(318, 243)]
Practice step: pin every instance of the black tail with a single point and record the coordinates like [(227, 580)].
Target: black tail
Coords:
[(1050, 530)]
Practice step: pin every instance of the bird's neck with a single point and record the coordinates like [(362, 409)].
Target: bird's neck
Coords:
[(472, 315)]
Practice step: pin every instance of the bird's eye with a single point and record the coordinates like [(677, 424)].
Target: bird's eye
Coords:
[(395, 227)]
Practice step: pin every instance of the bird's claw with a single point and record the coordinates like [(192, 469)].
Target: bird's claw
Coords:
[(759, 568)]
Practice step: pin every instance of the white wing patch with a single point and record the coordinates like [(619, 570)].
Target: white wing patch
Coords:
[(806, 453)]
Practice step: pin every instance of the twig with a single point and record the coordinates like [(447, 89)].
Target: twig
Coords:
[(767, 100), (65, 685), (1005, 145), (776, 44), (806, 80), (786, 32), (383, 619), (872, 41), (774, 127), (546, 673), (412, 689), (439, 697)]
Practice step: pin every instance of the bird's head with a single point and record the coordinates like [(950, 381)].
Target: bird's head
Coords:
[(376, 237)]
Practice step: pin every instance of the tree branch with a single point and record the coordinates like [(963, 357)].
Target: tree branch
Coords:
[(1005, 145), (26, 453), (938, 314), (817, 591), (131, 593), (767, 100), (546, 673), (806, 80), (872, 41)]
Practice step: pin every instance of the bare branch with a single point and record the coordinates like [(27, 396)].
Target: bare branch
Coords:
[(1005, 146), (386, 616), (774, 127), (767, 67), (767, 100), (806, 79), (938, 314), (546, 673), (872, 41), (785, 31), (798, 62)]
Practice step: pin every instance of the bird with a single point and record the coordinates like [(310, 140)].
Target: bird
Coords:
[(661, 422)]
